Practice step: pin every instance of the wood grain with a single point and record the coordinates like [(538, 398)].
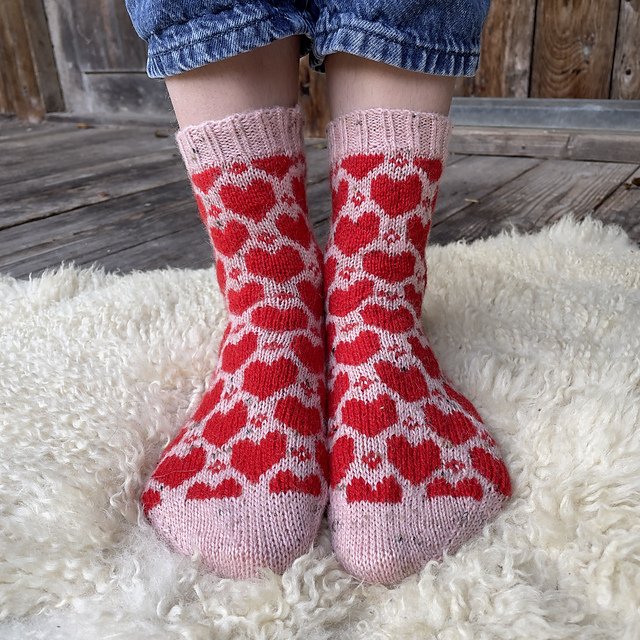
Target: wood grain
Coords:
[(313, 98), (505, 55), (539, 196), (573, 48), (622, 207), (625, 81)]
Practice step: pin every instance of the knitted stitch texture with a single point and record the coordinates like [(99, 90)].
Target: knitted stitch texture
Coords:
[(414, 471), (244, 481)]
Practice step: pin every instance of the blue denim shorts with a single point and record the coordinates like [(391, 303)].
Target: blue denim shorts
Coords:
[(440, 37)]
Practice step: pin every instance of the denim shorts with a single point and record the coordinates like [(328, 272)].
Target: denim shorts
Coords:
[(440, 37)]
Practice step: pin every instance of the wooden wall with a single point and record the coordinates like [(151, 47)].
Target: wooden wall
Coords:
[(29, 83), (587, 49), (559, 49)]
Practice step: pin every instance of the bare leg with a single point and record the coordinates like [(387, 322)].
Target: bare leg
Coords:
[(261, 78), (356, 83)]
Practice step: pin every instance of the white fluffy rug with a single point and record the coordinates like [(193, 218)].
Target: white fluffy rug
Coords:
[(97, 371)]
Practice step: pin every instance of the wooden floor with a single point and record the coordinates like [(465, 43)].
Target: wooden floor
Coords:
[(118, 195)]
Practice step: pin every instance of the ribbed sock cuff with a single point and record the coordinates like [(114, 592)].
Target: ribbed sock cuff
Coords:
[(389, 131), (242, 136)]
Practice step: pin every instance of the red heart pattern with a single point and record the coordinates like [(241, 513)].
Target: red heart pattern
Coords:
[(285, 481), (254, 459), (267, 394), (397, 428), (222, 426)]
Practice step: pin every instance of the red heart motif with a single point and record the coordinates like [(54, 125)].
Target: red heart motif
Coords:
[(426, 357), (361, 164), (149, 499), (339, 388), (309, 353), (253, 459), (463, 402), (205, 179), (432, 167), (311, 296), (231, 239), (418, 233), (358, 350), (393, 320), (397, 197), (234, 355), (343, 301), (228, 488), (350, 236), (408, 382), (173, 470), (221, 427), (414, 298), (239, 301), (280, 265), (339, 197), (221, 275), (341, 458), (268, 317), (253, 201), (492, 469), (370, 418), (391, 268), (414, 462), (299, 193), (295, 229), (322, 458), (387, 491), (307, 421), (275, 165), (209, 401), (455, 426), (467, 488), (263, 379), (330, 267), (285, 481)]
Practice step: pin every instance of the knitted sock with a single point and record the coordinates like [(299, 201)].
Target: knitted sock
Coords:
[(414, 471), (244, 481)]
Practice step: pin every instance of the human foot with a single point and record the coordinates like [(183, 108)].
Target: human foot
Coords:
[(244, 480), (414, 471)]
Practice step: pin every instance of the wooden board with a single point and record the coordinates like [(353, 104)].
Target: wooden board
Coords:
[(606, 146), (473, 178), (625, 80), (622, 207), (29, 85), (126, 222), (573, 48), (537, 197), (100, 145), (58, 192), (505, 55)]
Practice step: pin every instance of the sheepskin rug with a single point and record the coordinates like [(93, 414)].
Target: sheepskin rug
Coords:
[(542, 332)]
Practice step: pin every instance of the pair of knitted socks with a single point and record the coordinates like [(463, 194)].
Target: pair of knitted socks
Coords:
[(406, 462)]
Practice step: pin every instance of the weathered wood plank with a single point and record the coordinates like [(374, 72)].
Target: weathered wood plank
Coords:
[(58, 192), (609, 146), (573, 48), (545, 193), (97, 230), (473, 178), (622, 207), (625, 79), (313, 99), (76, 151), (505, 56), (502, 141), (188, 248)]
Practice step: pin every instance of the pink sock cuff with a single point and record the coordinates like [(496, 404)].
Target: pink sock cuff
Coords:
[(389, 131), (242, 136)]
